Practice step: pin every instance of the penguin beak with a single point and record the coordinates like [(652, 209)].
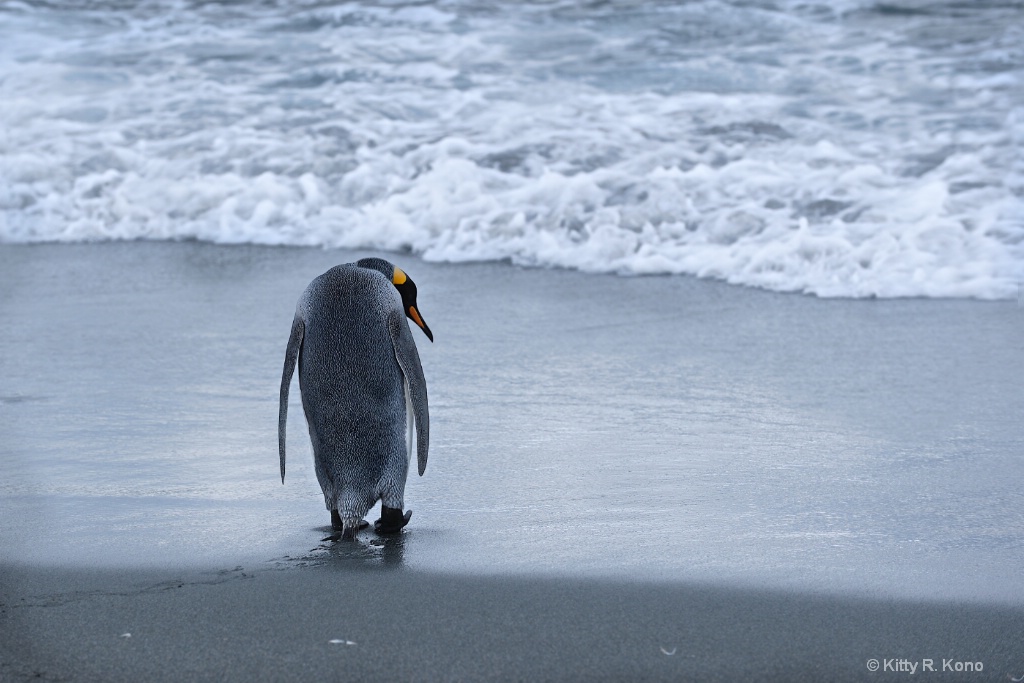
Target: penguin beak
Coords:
[(415, 316)]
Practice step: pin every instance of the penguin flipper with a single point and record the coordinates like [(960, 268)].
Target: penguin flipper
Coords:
[(409, 360), (291, 354)]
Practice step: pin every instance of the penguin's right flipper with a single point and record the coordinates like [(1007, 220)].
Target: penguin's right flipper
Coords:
[(291, 354), (409, 361)]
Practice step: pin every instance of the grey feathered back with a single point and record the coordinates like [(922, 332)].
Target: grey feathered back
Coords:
[(355, 352)]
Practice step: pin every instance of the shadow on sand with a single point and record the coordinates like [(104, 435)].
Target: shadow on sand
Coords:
[(343, 618)]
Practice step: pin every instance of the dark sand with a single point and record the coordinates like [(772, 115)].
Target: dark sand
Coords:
[(277, 626), (772, 487)]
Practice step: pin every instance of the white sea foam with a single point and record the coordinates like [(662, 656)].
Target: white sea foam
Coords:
[(818, 147)]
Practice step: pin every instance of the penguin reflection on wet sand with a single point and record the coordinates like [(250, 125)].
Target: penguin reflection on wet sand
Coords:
[(362, 390)]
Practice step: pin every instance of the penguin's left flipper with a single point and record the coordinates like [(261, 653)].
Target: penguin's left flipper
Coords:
[(291, 355), (391, 520)]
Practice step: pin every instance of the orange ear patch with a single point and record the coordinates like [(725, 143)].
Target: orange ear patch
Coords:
[(399, 277)]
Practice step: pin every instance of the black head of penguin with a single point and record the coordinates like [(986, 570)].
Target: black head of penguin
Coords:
[(405, 286)]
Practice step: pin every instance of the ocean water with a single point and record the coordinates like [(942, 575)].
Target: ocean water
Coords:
[(844, 149)]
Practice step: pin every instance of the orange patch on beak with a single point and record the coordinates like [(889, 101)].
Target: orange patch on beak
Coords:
[(415, 315)]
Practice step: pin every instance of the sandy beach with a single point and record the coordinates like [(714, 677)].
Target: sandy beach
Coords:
[(630, 478), (403, 625)]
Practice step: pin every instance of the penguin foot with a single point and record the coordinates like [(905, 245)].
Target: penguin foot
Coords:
[(391, 520), (337, 524)]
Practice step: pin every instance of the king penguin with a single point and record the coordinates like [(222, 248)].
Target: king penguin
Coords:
[(362, 390)]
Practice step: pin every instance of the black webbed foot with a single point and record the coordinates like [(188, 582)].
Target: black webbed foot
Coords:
[(391, 520)]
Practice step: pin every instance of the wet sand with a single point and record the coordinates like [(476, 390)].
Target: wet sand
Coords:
[(779, 487)]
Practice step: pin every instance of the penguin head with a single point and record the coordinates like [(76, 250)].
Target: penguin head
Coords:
[(405, 286)]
